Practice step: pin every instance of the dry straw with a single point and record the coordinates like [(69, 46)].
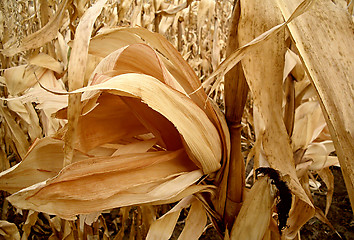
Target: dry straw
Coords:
[(100, 112)]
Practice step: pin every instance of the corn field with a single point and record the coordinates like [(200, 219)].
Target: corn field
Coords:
[(163, 119)]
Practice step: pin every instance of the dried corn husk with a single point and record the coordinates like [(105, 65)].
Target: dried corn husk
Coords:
[(9, 230), (255, 214), (142, 106)]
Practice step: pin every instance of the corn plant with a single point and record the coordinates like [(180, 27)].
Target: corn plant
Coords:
[(154, 109)]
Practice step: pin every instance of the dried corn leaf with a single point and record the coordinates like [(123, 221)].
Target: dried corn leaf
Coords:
[(18, 136), (9, 230), (30, 222), (175, 9), (164, 130), (43, 160), (174, 62), (110, 40), (325, 48), (290, 63), (76, 189), (187, 192), (76, 74), (44, 99), (201, 137), (124, 60), (30, 198), (297, 71), (20, 78), (255, 214), (19, 108), (46, 61), (135, 147), (319, 154), (328, 178), (263, 70), (79, 53), (163, 227), (42, 36), (110, 110), (309, 123), (129, 170), (27, 112), (195, 222), (205, 11), (47, 104), (257, 42)]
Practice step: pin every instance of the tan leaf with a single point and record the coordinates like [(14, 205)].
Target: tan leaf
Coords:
[(319, 154), (18, 136), (31, 220), (163, 227), (9, 230), (20, 78), (195, 222), (46, 61), (201, 138), (110, 111), (174, 62), (309, 123), (263, 70), (68, 207), (76, 74), (43, 160), (255, 211), (175, 9), (42, 36), (327, 54), (328, 178)]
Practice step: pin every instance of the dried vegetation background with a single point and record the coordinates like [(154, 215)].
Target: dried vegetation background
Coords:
[(107, 132)]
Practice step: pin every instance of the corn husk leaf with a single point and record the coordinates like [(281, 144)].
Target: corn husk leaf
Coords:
[(20, 78), (18, 136), (123, 61), (200, 135), (163, 227), (328, 178), (43, 160), (256, 212), (133, 105), (326, 54), (46, 61), (195, 222), (9, 230), (67, 207), (76, 74), (92, 128), (263, 70), (173, 61)]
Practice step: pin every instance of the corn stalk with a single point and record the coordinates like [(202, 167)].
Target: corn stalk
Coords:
[(236, 91)]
